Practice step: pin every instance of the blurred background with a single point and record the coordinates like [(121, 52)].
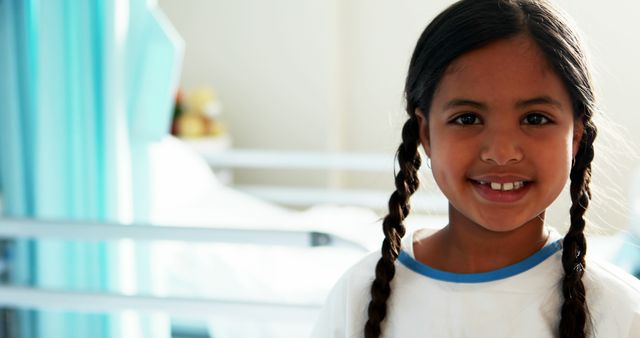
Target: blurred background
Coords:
[(210, 168)]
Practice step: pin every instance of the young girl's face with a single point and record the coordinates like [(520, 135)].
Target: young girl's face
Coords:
[(501, 135)]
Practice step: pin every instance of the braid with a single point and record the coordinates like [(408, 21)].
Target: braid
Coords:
[(407, 183), (574, 310)]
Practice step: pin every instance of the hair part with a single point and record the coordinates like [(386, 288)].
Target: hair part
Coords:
[(465, 26)]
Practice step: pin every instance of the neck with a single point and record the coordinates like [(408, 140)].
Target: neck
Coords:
[(466, 247)]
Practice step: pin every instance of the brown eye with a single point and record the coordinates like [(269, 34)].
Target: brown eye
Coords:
[(536, 119), (467, 119)]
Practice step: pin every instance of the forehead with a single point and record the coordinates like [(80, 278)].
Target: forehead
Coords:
[(502, 72)]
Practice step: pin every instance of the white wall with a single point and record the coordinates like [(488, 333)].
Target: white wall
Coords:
[(328, 74), (274, 65)]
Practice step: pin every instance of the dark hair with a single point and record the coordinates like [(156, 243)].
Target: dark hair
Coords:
[(469, 25)]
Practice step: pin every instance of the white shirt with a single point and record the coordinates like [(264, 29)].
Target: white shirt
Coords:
[(520, 300)]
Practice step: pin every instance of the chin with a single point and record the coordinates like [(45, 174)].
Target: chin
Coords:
[(506, 223), (493, 227)]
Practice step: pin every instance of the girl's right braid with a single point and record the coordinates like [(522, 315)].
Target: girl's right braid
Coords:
[(574, 309), (406, 182)]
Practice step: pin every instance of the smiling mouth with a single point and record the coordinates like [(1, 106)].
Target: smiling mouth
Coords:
[(506, 186)]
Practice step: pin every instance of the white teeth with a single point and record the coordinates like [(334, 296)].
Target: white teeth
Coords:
[(506, 186)]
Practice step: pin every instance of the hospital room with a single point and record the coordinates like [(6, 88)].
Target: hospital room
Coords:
[(214, 169)]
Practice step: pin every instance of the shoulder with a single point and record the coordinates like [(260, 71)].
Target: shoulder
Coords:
[(613, 299), (613, 281), (355, 282), (344, 312)]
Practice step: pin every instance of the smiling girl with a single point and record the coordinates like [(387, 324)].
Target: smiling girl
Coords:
[(500, 97)]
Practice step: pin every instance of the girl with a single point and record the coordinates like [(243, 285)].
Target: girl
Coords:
[(500, 97)]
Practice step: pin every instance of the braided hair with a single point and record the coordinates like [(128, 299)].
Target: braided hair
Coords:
[(465, 26)]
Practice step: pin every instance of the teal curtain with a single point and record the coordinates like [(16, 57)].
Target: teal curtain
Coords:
[(85, 88)]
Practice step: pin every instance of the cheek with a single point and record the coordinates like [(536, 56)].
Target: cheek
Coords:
[(554, 166), (449, 163), (562, 154), (560, 158)]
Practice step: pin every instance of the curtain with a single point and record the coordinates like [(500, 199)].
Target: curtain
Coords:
[(85, 88)]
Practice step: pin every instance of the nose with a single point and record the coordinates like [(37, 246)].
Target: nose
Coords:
[(501, 147)]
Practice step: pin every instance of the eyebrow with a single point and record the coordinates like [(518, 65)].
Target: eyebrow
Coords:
[(539, 100), (464, 103), (542, 100)]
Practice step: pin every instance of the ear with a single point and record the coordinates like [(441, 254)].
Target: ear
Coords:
[(423, 126), (578, 130)]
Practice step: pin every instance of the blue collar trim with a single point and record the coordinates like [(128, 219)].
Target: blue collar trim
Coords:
[(481, 277)]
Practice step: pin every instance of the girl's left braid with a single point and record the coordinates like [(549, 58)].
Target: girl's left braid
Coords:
[(574, 310)]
